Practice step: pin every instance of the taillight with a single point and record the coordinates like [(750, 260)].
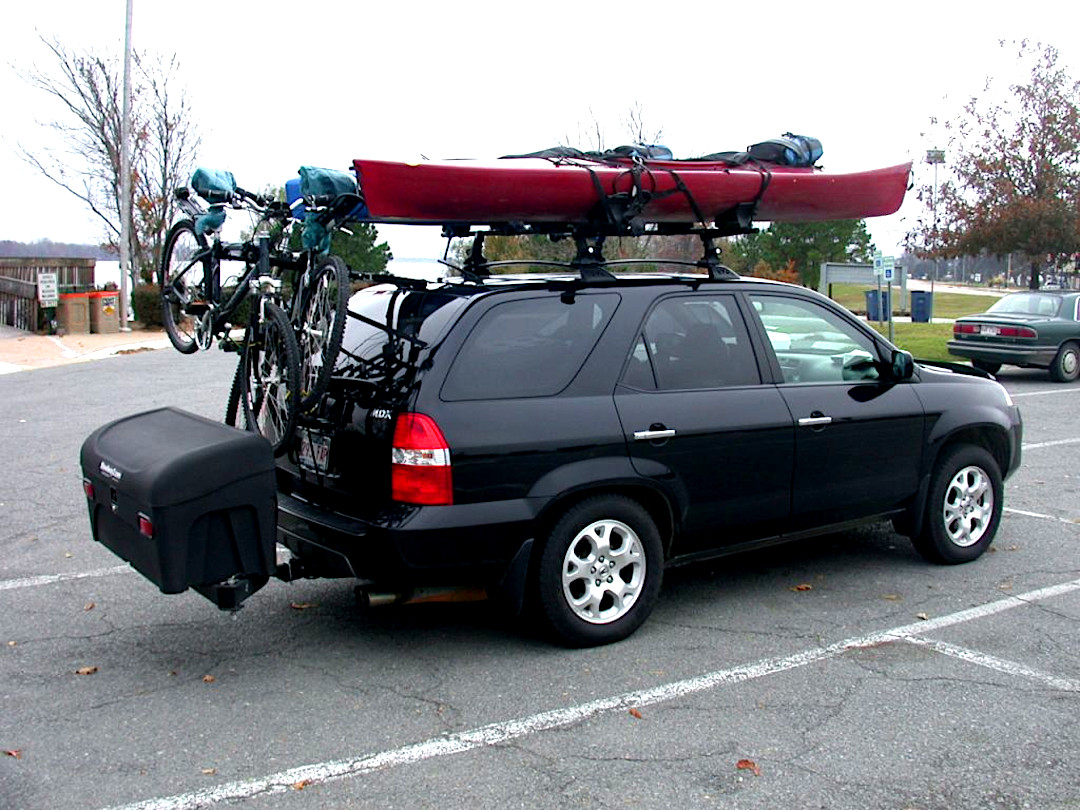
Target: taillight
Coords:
[(1017, 331), (88, 488), (965, 329), (146, 526), (420, 462)]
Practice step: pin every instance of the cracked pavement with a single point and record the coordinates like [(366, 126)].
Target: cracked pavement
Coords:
[(448, 706)]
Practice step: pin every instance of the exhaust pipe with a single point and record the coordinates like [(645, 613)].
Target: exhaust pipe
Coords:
[(417, 596)]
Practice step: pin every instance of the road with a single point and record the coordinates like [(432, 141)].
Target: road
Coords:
[(887, 683)]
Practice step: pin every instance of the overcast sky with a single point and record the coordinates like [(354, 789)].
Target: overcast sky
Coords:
[(276, 85)]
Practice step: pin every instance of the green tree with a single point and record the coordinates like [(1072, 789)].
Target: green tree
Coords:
[(360, 248), (1014, 165), (804, 246)]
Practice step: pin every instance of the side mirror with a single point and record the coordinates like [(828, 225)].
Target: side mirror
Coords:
[(903, 365)]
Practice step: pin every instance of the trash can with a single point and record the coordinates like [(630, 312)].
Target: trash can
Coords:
[(104, 311), (874, 309), (73, 313), (922, 306)]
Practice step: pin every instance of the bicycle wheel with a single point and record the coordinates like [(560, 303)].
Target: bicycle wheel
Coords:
[(322, 327), (183, 270), (271, 379)]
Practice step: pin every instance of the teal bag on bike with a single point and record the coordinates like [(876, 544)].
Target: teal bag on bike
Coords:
[(316, 182), (214, 185)]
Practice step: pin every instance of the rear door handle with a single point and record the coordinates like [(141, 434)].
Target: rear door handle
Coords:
[(816, 419), (652, 435)]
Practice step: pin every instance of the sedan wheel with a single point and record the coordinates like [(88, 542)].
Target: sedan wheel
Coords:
[(600, 571), (963, 508), (1066, 365)]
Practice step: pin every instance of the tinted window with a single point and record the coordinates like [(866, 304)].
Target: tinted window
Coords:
[(1027, 304), (692, 342), (528, 348), (813, 344)]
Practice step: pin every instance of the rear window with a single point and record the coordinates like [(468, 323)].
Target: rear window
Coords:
[(410, 313), (1027, 304), (531, 347)]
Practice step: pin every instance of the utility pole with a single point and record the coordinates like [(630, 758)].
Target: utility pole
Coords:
[(125, 178), (935, 157)]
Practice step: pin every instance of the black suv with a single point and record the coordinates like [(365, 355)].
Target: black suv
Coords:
[(561, 440)]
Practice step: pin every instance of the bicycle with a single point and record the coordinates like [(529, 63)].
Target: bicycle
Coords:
[(267, 380)]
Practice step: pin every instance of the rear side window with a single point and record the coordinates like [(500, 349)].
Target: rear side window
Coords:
[(528, 348)]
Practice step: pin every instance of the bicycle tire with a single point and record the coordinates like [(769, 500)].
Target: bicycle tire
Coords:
[(232, 405), (270, 382), (322, 327), (181, 243)]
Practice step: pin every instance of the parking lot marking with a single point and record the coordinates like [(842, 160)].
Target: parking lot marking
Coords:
[(1039, 515), (1055, 443), (998, 664), (496, 733), (50, 579), (1045, 393)]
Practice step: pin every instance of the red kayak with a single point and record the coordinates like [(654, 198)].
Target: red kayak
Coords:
[(538, 190)]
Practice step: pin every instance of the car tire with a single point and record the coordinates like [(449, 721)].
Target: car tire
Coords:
[(963, 507), (599, 572), (989, 368), (1066, 365)]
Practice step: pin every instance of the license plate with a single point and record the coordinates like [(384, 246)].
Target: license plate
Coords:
[(315, 451), (990, 330)]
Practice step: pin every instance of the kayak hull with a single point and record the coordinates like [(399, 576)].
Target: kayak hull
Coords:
[(541, 191)]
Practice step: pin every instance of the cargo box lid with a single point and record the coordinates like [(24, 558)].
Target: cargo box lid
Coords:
[(168, 456)]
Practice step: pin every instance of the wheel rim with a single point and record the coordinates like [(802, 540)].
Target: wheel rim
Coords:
[(315, 333), (269, 391), (968, 507), (182, 277), (603, 572), (1070, 361)]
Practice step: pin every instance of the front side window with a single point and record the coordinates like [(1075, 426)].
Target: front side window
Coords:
[(531, 347), (813, 344), (692, 342)]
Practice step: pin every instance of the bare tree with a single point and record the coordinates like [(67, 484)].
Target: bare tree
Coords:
[(84, 157)]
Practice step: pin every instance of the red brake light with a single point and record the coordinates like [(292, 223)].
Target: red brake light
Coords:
[(88, 488), (420, 463), (965, 329), (1017, 331), (146, 526)]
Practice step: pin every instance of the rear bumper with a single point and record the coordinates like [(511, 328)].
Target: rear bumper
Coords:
[(444, 545), (1027, 356)]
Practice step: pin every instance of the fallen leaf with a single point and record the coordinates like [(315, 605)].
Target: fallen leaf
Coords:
[(1013, 547), (172, 672), (208, 679), (922, 616), (805, 586), (86, 670), (90, 606), (13, 644), (748, 765), (209, 771), (635, 714), (892, 597), (1005, 586), (302, 605), (68, 554), (303, 783), (13, 752)]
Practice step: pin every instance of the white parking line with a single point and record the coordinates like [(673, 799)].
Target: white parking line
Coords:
[(999, 664), (1055, 443), (486, 736), (49, 579), (1039, 515), (1045, 393)]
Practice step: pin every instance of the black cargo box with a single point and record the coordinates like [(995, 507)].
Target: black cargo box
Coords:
[(187, 501)]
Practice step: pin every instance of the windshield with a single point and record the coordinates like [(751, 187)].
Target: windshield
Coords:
[(1027, 304)]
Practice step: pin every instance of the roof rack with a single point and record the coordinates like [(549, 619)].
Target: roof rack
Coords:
[(589, 261)]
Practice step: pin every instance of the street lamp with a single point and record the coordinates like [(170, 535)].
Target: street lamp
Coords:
[(125, 177), (935, 157)]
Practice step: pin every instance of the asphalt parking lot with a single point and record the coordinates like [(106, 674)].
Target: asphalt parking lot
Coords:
[(842, 672)]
